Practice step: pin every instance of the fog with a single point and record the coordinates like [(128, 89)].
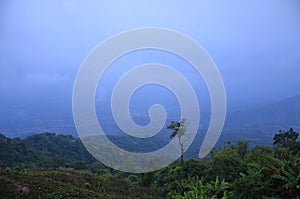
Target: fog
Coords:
[(254, 44)]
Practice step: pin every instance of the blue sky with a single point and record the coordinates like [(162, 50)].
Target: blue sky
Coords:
[(255, 44)]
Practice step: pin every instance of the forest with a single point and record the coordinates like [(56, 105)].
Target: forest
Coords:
[(47, 165)]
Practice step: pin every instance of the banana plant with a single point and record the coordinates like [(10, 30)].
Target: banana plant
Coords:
[(194, 188), (286, 175)]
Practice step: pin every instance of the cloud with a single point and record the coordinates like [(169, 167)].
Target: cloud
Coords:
[(43, 43)]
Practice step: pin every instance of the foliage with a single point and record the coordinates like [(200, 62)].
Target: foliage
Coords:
[(259, 155), (66, 183), (179, 129), (231, 171), (285, 175), (167, 178), (254, 183), (285, 139), (79, 165), (191, 188), (99, 169), (45, 150), (227, 164)]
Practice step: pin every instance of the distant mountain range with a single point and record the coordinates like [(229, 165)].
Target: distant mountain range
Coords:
[(261, 123), (256, 125)]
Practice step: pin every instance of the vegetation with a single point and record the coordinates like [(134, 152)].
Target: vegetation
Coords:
[(57, 166), (179, 129), (66, 183), (45, 150)]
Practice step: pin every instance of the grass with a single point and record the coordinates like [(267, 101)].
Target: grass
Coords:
[(66, 183)]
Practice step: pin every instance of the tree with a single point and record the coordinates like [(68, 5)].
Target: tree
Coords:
[(179, 129), (285, 139), (227, 164), (255, 182), (242, 149), (79, 165)]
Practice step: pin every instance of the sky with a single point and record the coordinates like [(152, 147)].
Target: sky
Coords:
[(255, 44)]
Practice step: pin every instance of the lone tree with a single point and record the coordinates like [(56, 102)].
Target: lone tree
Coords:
[(179, 129)]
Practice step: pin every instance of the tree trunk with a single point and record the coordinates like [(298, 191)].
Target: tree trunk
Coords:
[(181, 159), (181, 150)]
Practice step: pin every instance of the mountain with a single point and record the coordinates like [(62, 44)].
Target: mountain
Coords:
[(260, 124), (256, 125), (27, 119)]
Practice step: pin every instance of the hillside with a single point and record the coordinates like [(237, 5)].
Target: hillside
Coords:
[(64, 183), (231, 171), (42, 150), (258, 125)]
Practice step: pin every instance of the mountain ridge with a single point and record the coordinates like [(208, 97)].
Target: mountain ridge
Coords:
[(256, 124)]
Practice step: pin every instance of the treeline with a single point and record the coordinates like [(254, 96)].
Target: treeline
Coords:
[(231, 171), (46, 150)]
